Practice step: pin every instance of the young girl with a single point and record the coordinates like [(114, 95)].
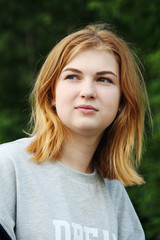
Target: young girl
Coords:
[(66, 181)]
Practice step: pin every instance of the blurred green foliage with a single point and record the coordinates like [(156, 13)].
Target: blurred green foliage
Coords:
[(28, 31)]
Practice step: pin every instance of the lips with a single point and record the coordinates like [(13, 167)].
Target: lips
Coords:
[(86, 108)]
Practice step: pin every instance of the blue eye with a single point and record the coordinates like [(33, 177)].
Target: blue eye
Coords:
[(104, 80), (71, 77)]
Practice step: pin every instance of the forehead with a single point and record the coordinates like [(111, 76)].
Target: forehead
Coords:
[(93, 57)]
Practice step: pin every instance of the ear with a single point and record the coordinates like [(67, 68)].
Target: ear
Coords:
[(53, 104)]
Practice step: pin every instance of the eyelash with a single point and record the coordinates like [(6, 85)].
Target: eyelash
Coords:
[(72, 77), (106, 80), (75, 77)]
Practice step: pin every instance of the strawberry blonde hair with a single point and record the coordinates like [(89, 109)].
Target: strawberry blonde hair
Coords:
[(120, 148)]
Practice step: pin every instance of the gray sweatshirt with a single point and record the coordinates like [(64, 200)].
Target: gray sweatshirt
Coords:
[(50, 201)]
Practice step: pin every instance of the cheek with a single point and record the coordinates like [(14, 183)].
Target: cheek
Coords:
[(64, 95), (116, 99), (59, 94), (111, 98)]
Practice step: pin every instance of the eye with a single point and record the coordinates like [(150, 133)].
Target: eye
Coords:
[(104, 80), (72, 77)]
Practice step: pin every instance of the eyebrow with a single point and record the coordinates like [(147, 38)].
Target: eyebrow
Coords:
[(73, 70), (98, 73), (106, 72)]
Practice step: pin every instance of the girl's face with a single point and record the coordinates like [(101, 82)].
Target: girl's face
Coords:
[(88, 92)]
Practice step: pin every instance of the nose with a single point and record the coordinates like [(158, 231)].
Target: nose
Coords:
[(88, 91)]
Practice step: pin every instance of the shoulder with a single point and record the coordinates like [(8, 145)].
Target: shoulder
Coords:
[(115, 187), (15, 146), (118, 194), (124, 210), (121, 201), (13, 151)]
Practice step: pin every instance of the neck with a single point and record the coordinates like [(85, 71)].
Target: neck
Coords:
[(78, 152)]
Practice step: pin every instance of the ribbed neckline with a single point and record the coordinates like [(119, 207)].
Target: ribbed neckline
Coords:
[(84, 177)]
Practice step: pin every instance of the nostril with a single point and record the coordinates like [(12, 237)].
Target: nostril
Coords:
[(88, 96)]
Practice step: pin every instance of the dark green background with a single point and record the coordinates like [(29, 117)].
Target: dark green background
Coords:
[(28, 31)]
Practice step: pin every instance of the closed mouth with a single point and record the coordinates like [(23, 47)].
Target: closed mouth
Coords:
[(89, 107)]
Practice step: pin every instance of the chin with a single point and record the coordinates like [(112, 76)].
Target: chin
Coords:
[(87, 131)]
